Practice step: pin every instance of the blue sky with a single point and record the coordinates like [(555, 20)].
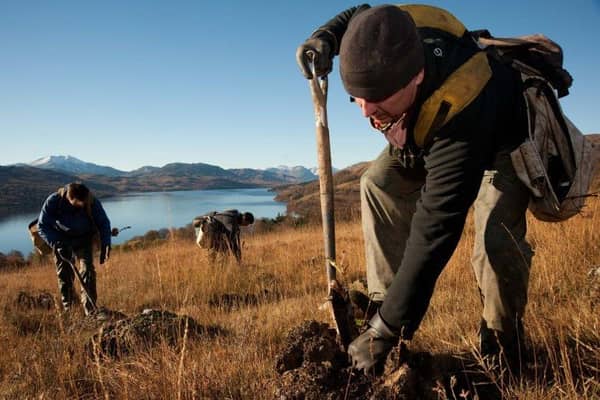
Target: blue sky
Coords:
[(134, 83)]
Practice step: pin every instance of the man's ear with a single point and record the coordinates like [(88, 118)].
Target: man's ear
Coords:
[(420, 76)]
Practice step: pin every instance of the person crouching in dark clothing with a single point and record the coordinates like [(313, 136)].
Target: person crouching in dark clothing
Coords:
[(452, 116), (219, 232), (70, 220)]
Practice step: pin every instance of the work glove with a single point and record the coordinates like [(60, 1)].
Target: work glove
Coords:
[(373, 345), (322, 56), (104, 253)]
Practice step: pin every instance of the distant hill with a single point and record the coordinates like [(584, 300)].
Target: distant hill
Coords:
[(24, 188), (74, 166), (595, 138), (304, 198), (197, 176)]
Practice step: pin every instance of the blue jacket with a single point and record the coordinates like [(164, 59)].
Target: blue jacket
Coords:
[(59, 221)]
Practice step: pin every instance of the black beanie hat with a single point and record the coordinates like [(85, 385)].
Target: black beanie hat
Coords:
[(380, 53)]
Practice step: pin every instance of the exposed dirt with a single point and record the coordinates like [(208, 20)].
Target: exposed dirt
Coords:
[(312, 365), (145, 330)]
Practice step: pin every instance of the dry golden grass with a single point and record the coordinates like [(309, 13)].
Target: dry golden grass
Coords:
[(43, 354)]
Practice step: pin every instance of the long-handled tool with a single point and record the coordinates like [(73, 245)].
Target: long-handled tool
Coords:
[(80, 279), (337, 295)]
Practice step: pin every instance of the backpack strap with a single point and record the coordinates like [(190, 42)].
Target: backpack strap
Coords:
[(460, 88), (456, 93), (436, 18)]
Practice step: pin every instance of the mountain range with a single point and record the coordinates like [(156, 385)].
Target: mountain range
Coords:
[(23, 187), (74, 166)]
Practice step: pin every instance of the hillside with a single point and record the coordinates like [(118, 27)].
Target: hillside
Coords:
[(182, 176), (25, 188), (247, 312), (595, 138), (304, 198)]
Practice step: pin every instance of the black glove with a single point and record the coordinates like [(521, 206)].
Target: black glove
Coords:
[(373, 345), (317, 50), (104, 253)]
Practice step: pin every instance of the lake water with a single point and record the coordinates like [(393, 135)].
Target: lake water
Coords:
[(153, 210)]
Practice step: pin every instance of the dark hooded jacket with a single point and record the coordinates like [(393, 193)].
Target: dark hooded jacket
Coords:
[(451, 162), (59, 221)]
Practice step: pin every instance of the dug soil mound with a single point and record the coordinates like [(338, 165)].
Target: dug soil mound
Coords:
[(146, 330), (312, 365)]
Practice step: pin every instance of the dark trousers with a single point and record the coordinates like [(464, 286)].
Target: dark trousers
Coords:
[(84, 254)]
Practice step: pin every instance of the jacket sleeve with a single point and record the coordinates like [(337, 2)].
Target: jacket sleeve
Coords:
[(334, 29), (47, 218), (455, 165), (102, 222)]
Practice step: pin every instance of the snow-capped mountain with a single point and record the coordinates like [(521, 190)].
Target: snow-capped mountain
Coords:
[(75, 166), (300, 173)]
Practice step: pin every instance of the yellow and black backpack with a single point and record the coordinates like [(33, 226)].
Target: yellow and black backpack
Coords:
[(556, 161)]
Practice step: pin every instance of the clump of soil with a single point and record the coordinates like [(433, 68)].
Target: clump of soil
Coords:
[(310, 342), (145, 330), (313, 365)]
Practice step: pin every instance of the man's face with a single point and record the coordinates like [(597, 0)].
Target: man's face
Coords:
[(393, 108)]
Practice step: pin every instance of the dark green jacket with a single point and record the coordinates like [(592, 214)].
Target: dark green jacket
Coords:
[(453, 160)]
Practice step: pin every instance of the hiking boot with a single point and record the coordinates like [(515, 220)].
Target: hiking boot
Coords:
[(502, 351)]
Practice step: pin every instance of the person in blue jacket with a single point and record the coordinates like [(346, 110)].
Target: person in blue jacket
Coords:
[(70, 222)]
